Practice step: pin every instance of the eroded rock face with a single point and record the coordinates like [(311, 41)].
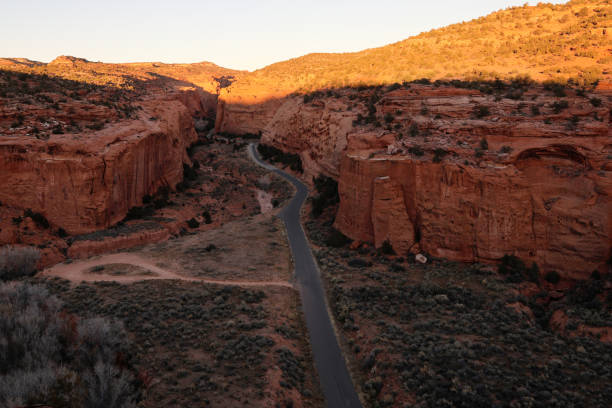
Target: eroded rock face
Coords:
[(466, 175), (317, 131), (389, 215), (480, 214), (87, 181)]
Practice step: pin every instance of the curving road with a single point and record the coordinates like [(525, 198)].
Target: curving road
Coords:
[(331, 366)]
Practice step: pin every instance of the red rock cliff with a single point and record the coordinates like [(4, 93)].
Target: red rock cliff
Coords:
[(87, 181), (469, 176)]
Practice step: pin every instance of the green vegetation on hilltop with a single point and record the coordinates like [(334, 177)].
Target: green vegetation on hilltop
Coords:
[(546, 42)]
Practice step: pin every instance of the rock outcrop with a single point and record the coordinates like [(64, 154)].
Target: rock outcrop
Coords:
[(87, 181), (464, 174)]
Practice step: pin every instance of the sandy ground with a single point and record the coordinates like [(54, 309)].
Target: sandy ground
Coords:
[(251, 249), (249, 252)]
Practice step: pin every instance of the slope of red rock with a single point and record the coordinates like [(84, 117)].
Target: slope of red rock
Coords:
[(81, 142), (463, 174), (89, 180)]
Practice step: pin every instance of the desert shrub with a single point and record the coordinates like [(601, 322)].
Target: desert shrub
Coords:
[(585, 293), (439, 154), (136, 213), (336, 239), (386, 248), (48, 357), (535, 110), (207, 217), (312, 96), (359, 263), (39, 219), (505, 149), (189, 173), (484, 145), (292, 368), (193, 223), (16, 262), (559, 106), (61, 232), (327, 194), (388, 118), (394, 87), (552, 277), (161, 198), (572, 122), (107, 386), (271, 153), (596, 102), (556, 88), (516, 271), (414, 130), (416, 150), (515, 94), (481, 111)]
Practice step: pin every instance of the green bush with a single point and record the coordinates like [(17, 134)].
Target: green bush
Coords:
[(556, 88), (414, 130), (207, 217), (560, 106), (596, 102), (137, 213), (516, 271), (484, 145), (336, 239), (439, 155), (193, 223), (552, 277), (481, 111), (386, 248), (272, 154), (189, 173), (39, 219), (416, 150), (327, 194)]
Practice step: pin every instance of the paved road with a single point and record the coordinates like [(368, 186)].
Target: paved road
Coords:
[(331, 366)]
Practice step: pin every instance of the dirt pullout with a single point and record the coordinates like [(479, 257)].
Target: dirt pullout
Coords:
[(252, 249), (248, 252), (104, 269)]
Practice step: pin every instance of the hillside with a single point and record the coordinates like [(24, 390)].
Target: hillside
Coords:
[(545, 42), (132, 76)]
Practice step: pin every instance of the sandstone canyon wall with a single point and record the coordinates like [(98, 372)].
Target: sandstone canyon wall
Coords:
[(87, 181), (460, 173)]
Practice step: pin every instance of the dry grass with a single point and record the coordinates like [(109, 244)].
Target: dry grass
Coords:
[(253, 249), (546, 42)]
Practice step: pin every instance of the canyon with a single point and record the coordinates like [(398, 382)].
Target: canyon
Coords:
[(463, 175), (467, 169), (454, 247)]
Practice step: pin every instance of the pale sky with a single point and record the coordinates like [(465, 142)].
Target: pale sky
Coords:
[(237, 34)]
